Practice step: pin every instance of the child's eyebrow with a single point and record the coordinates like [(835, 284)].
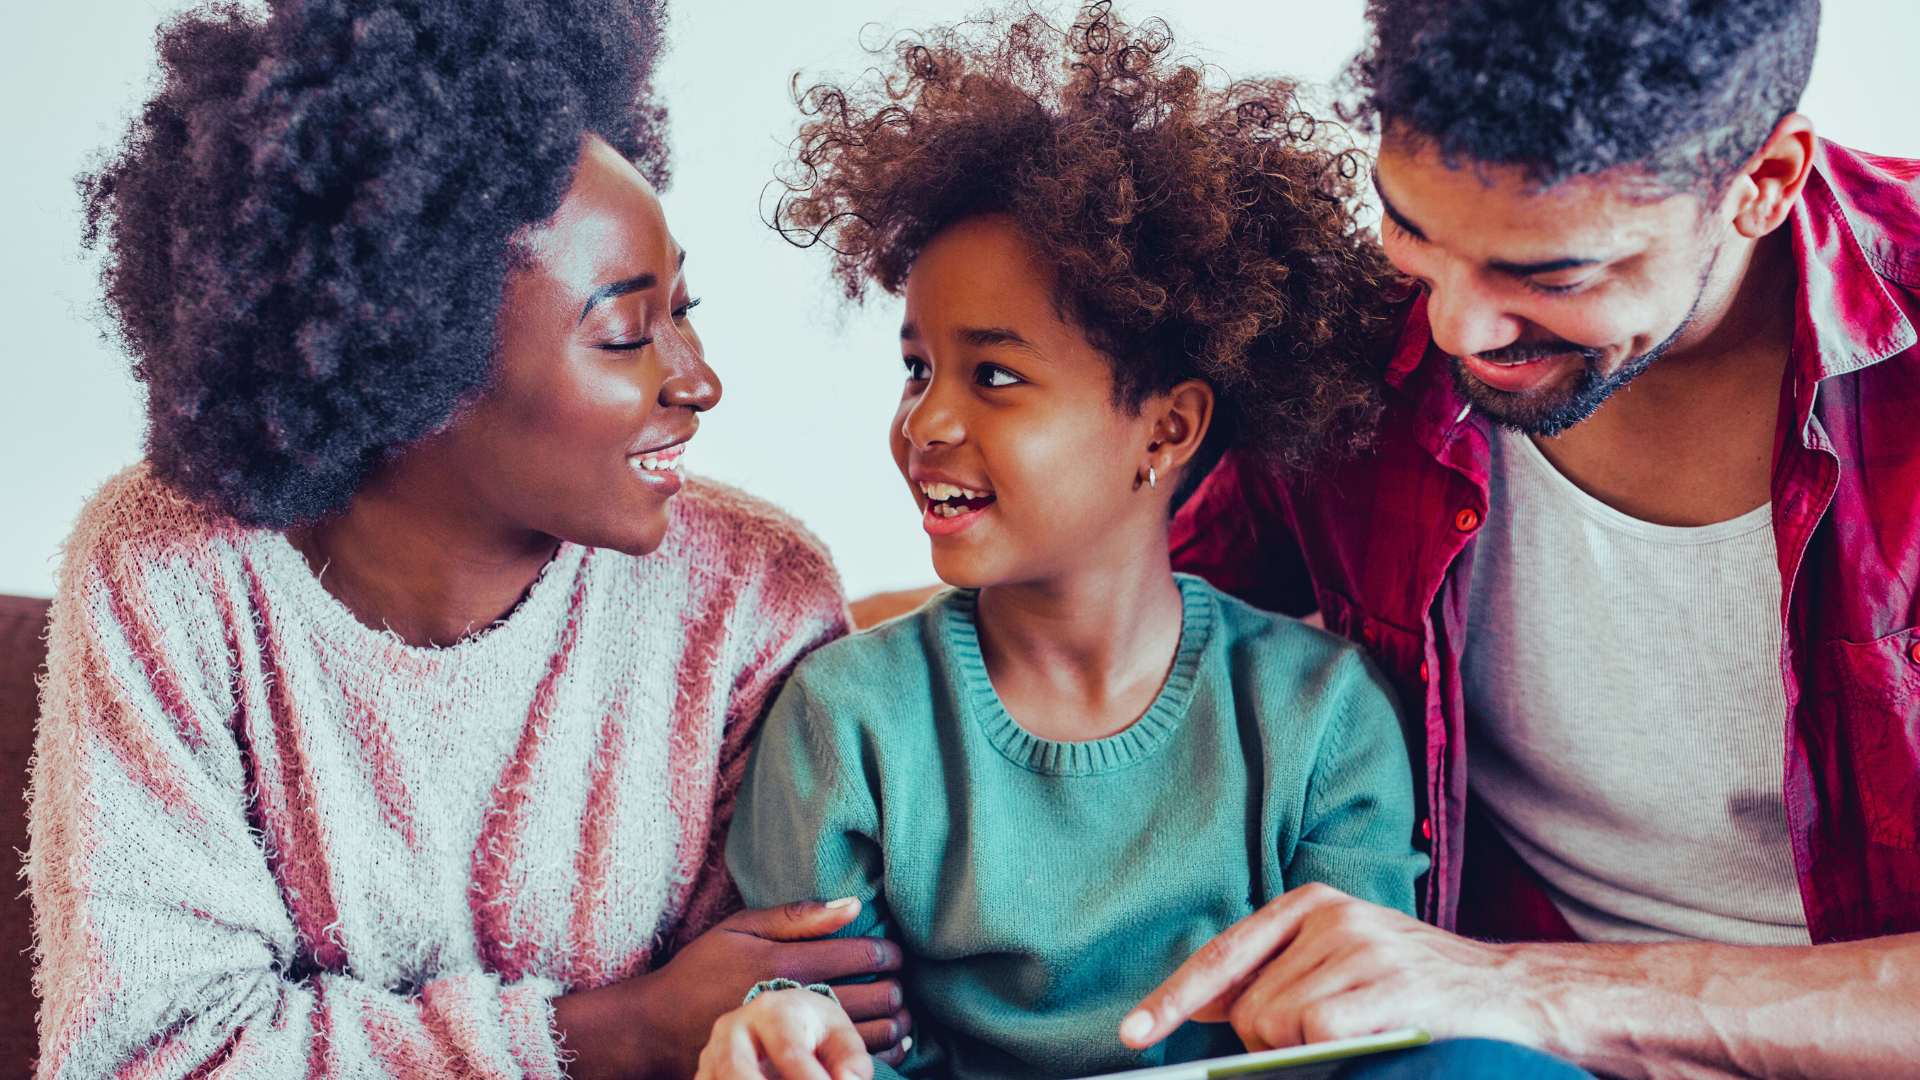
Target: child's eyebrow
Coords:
[(983, 337)]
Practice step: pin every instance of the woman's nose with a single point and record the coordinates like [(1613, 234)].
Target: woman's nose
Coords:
[(690, 382)]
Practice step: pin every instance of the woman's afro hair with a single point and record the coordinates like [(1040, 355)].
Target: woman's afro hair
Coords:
[(1199, 231), (308, 229)]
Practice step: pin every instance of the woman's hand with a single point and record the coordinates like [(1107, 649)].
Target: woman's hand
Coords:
[(786, 1035), (652, 1026)]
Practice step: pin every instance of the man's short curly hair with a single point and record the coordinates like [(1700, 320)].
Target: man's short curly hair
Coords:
[(307, 230), (1199, 232), (1684, 90)]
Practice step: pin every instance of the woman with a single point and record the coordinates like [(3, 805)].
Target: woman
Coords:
[(396, 703)]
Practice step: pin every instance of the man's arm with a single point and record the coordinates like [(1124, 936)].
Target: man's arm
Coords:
[(1317, 964)]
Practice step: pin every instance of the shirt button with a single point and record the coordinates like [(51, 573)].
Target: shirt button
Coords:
[(1913, 654), (1423, 671), (1466, 520), (1426, 827), (1370, 636)]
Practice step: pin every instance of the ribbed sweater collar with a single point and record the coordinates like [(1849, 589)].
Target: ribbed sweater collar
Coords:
[(1115, 752)]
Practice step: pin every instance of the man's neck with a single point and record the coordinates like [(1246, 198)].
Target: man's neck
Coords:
[(409, 557), (1083, 656), (1690, 442)]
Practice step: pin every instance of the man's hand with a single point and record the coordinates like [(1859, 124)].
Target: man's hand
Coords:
[(785, 1035), (1318, 964), (653, 1026)]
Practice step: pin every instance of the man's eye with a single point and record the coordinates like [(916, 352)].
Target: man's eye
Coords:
[(916, 369), (625, 346), (995, 376), (1553, 290), (681, 311)]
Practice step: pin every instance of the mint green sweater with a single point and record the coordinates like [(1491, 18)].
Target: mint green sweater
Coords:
[(1039, 889)]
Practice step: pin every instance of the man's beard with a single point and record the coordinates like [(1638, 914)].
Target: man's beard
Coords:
[(1553, 412)]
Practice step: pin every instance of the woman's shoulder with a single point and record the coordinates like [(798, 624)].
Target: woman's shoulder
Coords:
[(719, 529), (136, 525)]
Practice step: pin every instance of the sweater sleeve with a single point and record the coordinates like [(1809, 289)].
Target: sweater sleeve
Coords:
[(806, 827), (800, 608), (167, 947), (1357, 826)]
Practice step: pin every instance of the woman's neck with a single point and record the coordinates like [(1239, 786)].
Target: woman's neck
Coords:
[(1083, 656), (412, 555)]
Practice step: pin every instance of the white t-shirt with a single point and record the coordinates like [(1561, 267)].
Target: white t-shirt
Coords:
[(1625, 713)]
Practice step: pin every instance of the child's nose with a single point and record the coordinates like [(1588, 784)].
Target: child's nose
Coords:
[(932, 420)]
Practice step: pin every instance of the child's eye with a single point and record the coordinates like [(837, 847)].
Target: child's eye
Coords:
[(916, 369), (995, 376)]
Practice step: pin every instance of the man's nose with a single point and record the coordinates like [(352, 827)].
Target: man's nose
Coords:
[(1466, 315)]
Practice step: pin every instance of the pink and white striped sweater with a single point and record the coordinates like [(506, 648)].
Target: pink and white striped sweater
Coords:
[(268, 841)]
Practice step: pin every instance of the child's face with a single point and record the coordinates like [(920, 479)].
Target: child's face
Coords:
[(1024, 468)]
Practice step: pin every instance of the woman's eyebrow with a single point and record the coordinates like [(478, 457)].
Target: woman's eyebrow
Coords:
[(626, 285)]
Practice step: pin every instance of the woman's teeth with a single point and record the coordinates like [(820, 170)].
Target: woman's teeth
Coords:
[(952, 500), (665, 461)]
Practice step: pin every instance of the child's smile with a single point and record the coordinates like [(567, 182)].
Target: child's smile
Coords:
[(951, 507)]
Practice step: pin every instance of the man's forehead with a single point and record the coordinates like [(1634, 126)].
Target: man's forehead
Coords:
[(1495, 212)]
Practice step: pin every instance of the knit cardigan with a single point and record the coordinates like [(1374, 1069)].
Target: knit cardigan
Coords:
[(269, 841)]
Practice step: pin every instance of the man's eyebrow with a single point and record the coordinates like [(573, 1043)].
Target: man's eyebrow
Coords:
[(1517, 269), (1393, 212), (624, 286), (1532, 269)]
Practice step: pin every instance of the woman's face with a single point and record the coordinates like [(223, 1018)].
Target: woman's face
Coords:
[(1007, 431), (599, 379)]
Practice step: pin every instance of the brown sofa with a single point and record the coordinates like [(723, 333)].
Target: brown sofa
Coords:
[(23, 654)]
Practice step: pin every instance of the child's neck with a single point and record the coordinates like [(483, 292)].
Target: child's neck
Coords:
[(1083, 657)]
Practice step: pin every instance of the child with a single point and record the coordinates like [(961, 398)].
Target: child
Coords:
[(1058, 780)]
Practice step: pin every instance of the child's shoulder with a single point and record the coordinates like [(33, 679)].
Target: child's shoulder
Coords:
[(1286, 657), (889, 664)]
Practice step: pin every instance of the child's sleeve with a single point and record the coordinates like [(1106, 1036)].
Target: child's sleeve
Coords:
[(807, 826), (1356, 831)]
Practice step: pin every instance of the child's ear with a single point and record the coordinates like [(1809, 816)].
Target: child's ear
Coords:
[(1181, 418)]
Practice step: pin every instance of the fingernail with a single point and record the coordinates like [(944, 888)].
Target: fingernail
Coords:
[(1137, 1024), (906, 1044), (845, 901)]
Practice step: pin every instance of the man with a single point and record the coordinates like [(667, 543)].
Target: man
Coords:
[(1638, 544)]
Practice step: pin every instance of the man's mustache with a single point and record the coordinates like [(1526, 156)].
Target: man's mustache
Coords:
[(1522, 352)]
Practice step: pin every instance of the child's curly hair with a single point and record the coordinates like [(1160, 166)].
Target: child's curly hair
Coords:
[(308, 228), (1199, 232)]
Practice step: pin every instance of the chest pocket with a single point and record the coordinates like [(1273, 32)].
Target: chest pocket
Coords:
[(1879, 684)]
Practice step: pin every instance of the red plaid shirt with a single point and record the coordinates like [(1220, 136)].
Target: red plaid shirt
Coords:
[(1380, 545)]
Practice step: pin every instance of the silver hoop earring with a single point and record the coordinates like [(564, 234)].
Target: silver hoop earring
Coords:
[(1150, 478)]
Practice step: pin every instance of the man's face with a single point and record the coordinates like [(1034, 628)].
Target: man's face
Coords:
[(1548, 301)]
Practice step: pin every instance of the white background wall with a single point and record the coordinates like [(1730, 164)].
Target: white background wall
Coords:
[(809, 389)]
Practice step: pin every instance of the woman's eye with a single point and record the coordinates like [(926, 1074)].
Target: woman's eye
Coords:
[(625, 346), (995, 376), (916, 369), (681, 311)]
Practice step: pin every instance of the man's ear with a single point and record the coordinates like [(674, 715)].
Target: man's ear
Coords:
[(1181, 418), (1764, 193)]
